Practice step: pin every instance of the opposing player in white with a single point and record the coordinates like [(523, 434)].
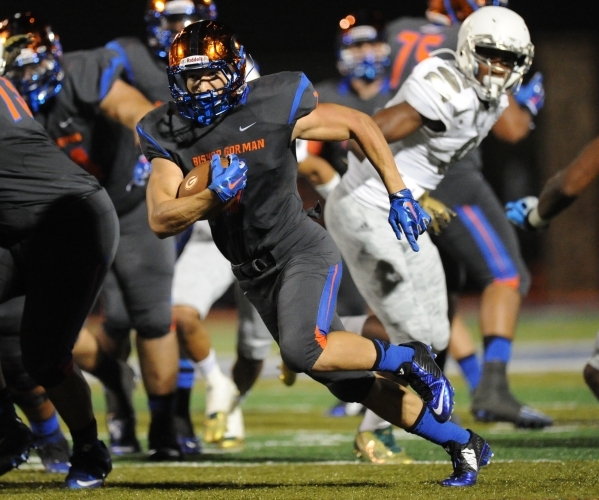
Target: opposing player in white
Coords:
[(443, 110)]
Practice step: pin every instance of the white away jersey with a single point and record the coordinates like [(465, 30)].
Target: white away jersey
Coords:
[(439, 92)]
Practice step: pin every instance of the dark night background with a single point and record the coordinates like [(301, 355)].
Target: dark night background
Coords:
[(280, 34)]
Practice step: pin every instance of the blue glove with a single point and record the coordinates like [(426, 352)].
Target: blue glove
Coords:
[(227, 182), (141, 173), (407, 214), (523, 213), (532, 94)]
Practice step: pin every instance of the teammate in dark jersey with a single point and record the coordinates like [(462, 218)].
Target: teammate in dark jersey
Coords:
[(49, 441), (91, 114), (62, 232), (479, 242), (288, 266)]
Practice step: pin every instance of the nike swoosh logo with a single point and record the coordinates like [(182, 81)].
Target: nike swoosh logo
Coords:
[(65, 123), (439, 409), (241, 129), (86, 484), (232, 186)]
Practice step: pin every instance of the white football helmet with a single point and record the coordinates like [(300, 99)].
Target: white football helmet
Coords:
[(489, 33)]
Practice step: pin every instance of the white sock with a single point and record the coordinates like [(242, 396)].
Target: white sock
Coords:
[(208, 368), (372, 422)]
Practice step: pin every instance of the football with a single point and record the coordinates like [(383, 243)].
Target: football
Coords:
[(197, 180)]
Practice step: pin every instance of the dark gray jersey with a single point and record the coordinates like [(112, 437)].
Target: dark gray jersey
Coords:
[(258, 129), (35, 176), (143, 69), (74, 120), (411, 40)]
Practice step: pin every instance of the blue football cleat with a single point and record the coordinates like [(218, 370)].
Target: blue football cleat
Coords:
[(89, 467), (467, 460), (188, 441), (54, 452), (427, 379)]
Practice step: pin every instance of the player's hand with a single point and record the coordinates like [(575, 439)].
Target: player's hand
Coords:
[(523, 214), (532, 94), (227, 182), (440, 213), (406, 214)]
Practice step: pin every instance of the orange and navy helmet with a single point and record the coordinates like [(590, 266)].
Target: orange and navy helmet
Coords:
[(30, 56), (164, 18), (212, 47), (448, 12)]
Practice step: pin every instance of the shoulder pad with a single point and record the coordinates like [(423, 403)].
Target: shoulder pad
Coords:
[(441, 76)]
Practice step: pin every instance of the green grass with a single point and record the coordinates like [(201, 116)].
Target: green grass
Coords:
[(293, 451)]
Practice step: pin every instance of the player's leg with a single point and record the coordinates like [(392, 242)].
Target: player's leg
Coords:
[(254, 343), (16, 439), (50, 443), (102, 355), (591, 370), (481, 239), (144, 270), (63, 265), (306, 288), (463, 350), (202, 275), (406, 290)]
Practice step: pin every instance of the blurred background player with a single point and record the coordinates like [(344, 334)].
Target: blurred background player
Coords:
[(60, 230), (49, 441), (91, 114), (560, 191), (478, 243), (202, 275)]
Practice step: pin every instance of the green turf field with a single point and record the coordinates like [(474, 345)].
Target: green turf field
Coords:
[(293, 451)]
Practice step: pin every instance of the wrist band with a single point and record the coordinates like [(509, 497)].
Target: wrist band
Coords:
[(535, 220), (326, 189)]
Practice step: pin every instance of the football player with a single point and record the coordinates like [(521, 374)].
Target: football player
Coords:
[(442, 111), (61, 231), (560, 191), (91, 114), (288, 266), (479, 243), (202, 274)]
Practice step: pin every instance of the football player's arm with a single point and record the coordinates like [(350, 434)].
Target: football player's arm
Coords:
[(125, 104), (167, 214), (331, 122), (514, 124), (567, 184), (398, 121), (559, 192)]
